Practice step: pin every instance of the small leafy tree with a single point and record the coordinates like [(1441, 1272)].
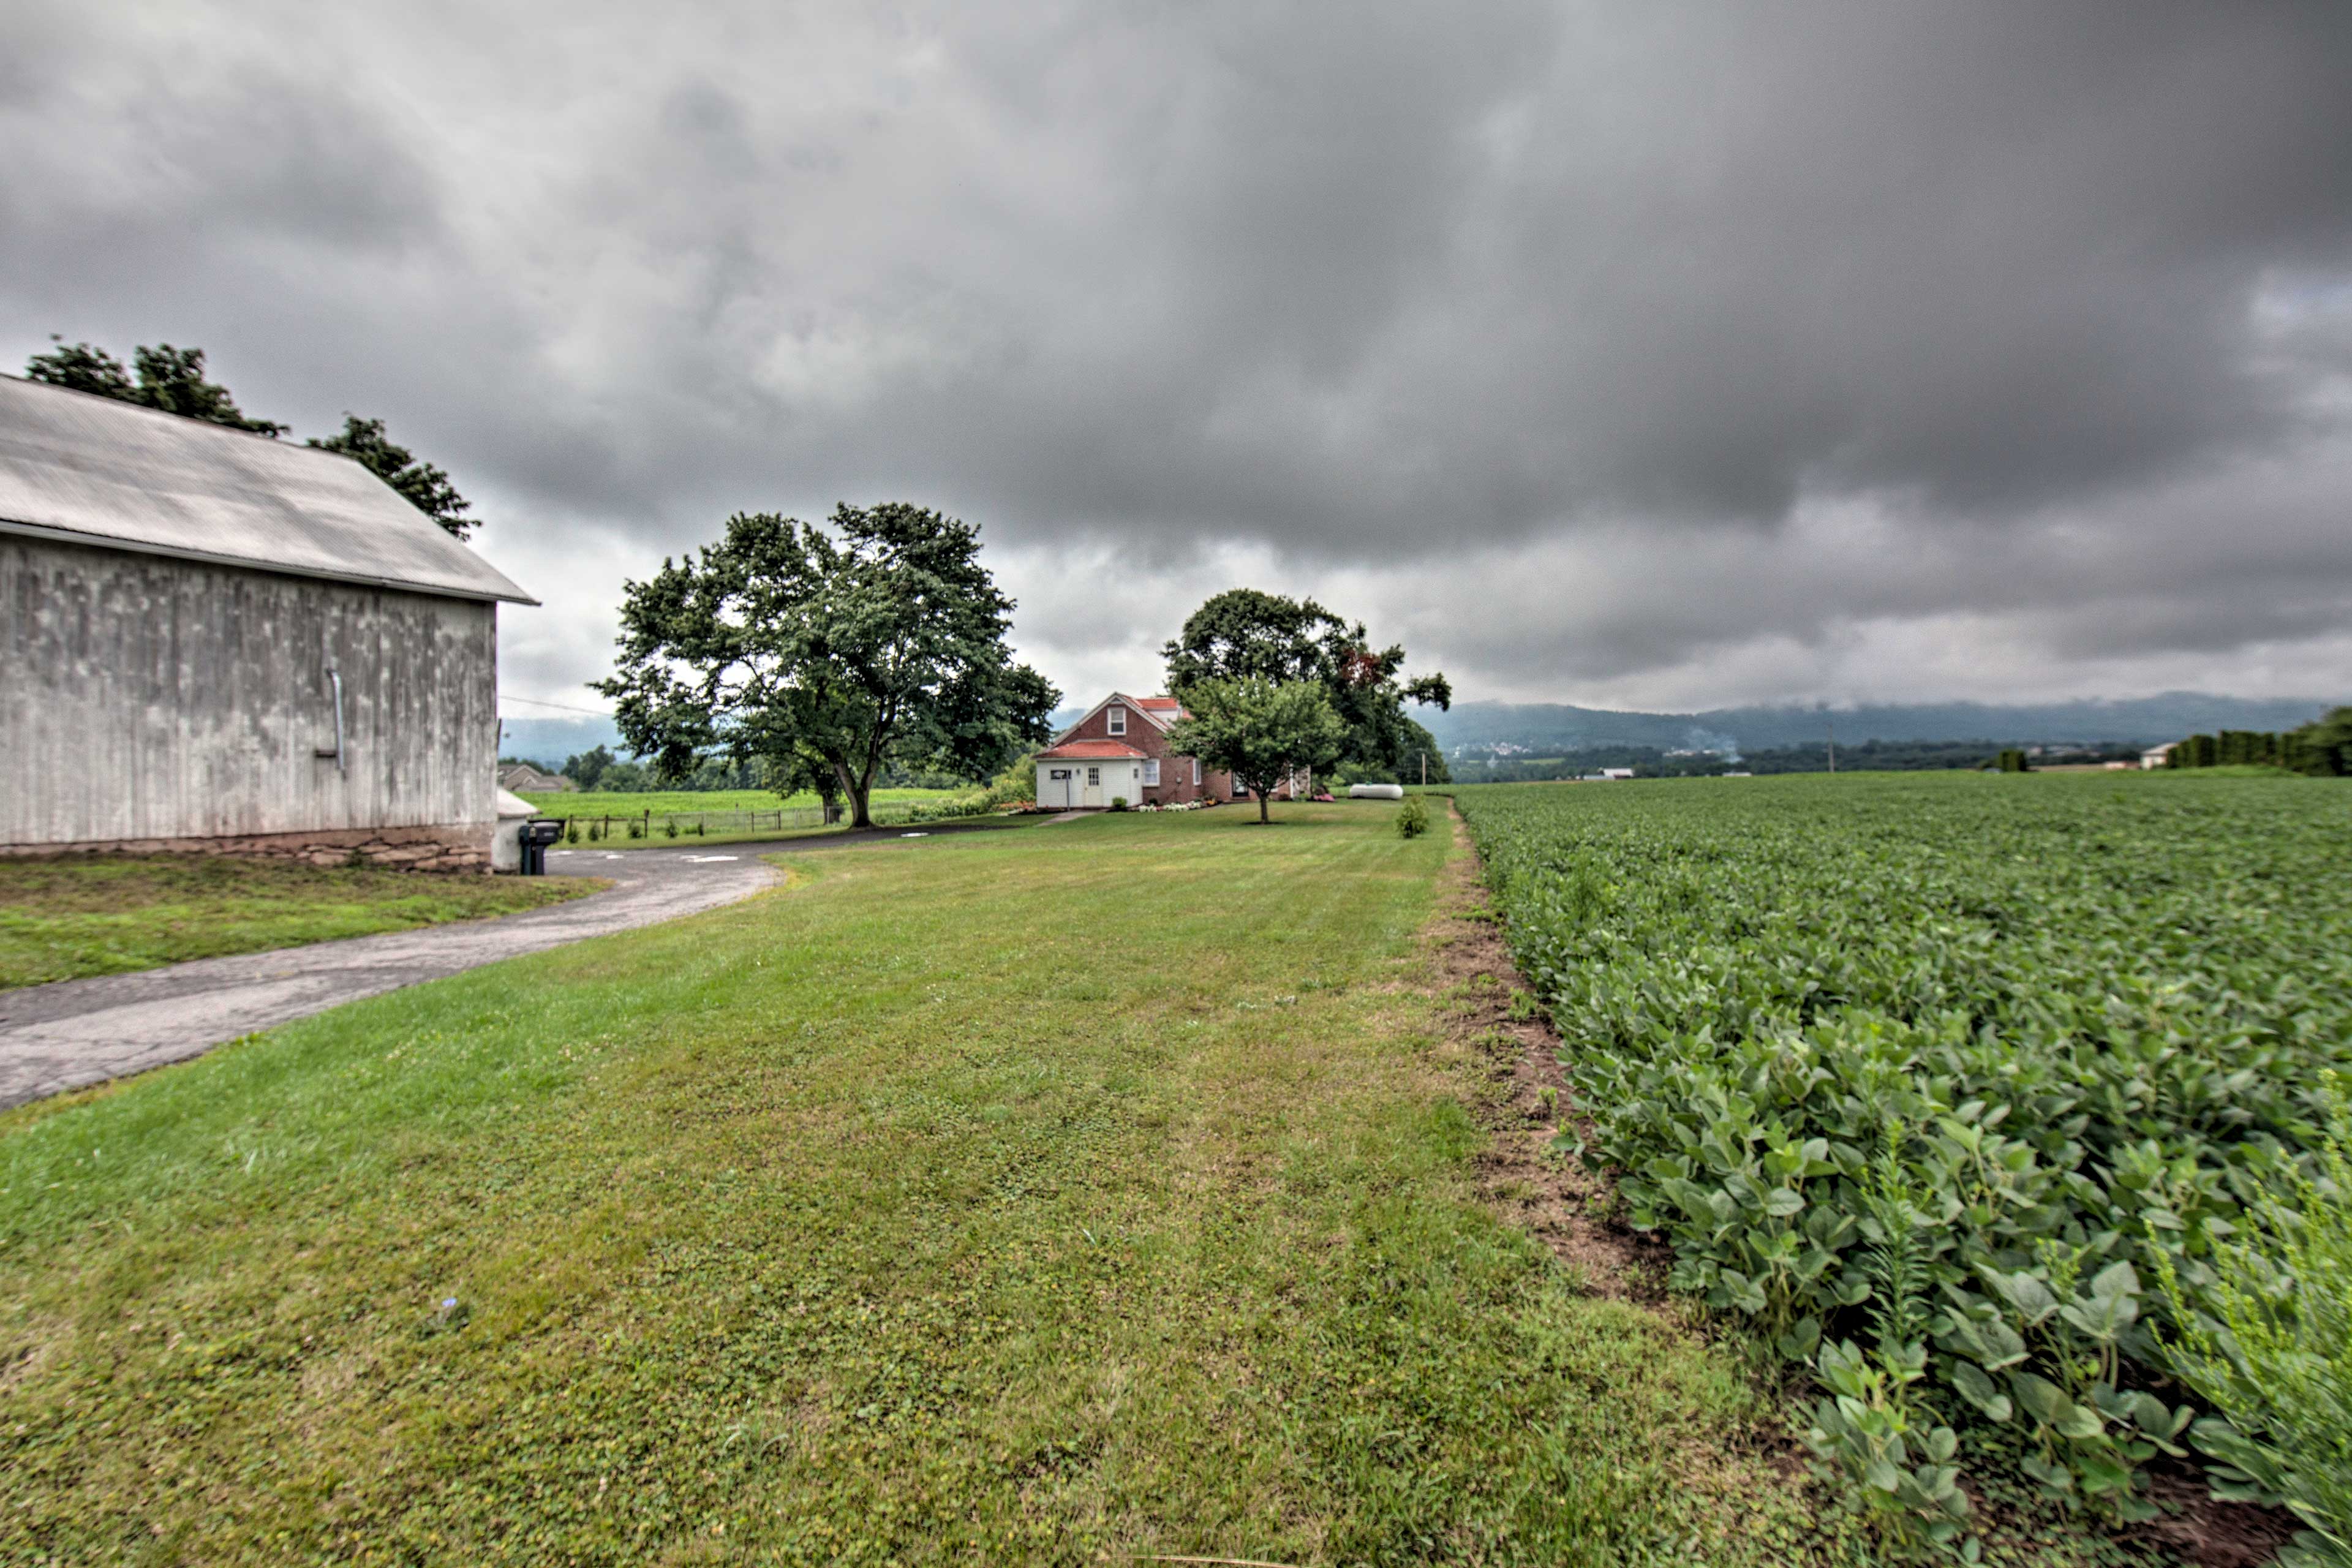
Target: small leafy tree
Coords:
[(423, 486), (877, 640), (1261, 731)]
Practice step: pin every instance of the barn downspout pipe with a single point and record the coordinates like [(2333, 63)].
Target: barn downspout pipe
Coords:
[(335, 678)]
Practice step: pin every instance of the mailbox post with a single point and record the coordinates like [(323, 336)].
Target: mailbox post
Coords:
[(537, 835)]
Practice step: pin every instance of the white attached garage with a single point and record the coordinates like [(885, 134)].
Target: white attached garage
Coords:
[(1090, 775)]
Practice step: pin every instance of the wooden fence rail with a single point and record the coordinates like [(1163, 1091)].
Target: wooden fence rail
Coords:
[(584, 828)]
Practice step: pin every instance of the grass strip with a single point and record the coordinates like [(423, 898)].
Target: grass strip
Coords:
[(74, 916), (1035, 1196)]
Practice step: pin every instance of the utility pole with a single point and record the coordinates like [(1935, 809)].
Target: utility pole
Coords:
[(1832, 727), (1424, 770)]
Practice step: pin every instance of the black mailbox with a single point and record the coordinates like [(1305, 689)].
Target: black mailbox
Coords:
[(537, 835)]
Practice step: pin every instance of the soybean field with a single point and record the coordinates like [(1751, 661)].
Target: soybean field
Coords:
[(1933, 1082)]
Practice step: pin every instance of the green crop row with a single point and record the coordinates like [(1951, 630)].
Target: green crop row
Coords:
[(1929, 1080)]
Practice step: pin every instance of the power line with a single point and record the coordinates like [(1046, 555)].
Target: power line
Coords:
[(539, 703)]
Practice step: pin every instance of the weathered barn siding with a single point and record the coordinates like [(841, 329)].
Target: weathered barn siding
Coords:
[(151, 699)]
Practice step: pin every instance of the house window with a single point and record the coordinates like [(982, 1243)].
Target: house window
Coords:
[(1094, 776), (1118, 720), (1151, 771), (1196, 772)]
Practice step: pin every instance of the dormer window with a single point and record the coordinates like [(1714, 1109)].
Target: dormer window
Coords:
[(1117, 720)]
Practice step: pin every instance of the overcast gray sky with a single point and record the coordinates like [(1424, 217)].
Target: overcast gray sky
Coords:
[(1638, 355)]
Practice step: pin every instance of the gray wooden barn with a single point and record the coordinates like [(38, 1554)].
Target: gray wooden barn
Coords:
[(212, 640)]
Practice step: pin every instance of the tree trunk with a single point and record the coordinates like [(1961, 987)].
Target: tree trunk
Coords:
[(857, 789), (1262, 799)]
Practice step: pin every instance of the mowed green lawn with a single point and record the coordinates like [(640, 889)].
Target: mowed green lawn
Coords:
[(72, 916), (1054, 1197)]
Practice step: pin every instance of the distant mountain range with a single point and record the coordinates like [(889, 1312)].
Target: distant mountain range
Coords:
[(1550, 729), (550, 741)]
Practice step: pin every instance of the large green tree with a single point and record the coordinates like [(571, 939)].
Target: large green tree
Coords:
[(174, 380), (1243, 634), (878, 638), (1262, 732)]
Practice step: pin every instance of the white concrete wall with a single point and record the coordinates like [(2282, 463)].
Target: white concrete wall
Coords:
[(144, 698), (1119, 779)]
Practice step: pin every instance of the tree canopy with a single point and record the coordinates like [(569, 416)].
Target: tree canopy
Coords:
[(173, 379), (1244, 634), (426, 488), (831, 653), (2324, 746), (1262, 732), (170, 379), (584, 768)]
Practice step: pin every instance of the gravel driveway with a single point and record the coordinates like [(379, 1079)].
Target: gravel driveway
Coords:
[(76, 1032)]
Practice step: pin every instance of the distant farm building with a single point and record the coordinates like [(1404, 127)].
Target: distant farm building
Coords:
[(215, 640), (524, 779), (2157, 756)]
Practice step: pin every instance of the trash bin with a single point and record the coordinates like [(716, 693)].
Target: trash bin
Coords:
[(537, 835)]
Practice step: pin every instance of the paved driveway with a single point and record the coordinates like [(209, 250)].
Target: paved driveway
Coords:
[(76, 1032)]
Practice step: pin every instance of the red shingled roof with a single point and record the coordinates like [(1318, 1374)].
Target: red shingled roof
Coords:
[(1159, 704), (1091, 751)]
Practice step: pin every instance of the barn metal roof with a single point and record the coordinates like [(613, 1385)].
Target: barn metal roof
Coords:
[(90, 470)]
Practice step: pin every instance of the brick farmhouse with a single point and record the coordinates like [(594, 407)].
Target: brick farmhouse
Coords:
[(1119, 750)]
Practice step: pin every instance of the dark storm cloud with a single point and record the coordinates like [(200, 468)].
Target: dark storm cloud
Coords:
[(1503, 274), (135, 174), (1780, 326)]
